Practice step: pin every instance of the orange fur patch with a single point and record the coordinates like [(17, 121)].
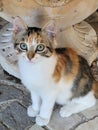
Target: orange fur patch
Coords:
[(62, 65), (95, 89)]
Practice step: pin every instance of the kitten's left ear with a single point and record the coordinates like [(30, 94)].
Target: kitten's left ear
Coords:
[(50, 29), (19, 25)]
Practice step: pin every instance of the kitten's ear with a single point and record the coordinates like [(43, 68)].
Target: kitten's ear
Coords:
[(50, 29), (19, 25)]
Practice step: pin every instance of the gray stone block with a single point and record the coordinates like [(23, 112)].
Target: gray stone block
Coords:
[(91, 112), (59, 123), (90, 125), (15, 117), (36, 127)]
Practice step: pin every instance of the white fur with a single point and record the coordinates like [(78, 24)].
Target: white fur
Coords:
[(36, 75), (78, 104)]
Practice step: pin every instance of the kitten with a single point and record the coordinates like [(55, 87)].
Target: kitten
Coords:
[(52, 75)]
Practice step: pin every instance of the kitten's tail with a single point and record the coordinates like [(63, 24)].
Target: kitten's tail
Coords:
[(95, 88)]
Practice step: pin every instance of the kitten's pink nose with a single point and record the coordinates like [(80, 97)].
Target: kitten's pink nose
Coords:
[(30, 55)]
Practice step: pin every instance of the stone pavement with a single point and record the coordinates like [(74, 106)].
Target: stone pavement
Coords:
[(14, 100)]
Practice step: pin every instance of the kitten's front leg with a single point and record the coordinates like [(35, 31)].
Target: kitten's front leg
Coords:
[(45, 111), (33, 110)]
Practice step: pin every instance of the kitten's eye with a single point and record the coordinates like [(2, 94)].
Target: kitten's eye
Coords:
[(23, 46), (40, 47)]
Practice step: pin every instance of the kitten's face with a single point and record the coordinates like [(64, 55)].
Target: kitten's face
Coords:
[(31, 44)]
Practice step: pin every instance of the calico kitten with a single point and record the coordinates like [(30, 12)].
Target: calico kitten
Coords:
[(52, 75)]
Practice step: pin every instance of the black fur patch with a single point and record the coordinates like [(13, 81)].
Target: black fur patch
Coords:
[(84, 75), (33, 29), (60, 50)]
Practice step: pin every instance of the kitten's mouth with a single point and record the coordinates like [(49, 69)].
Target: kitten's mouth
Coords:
[(32, 62)]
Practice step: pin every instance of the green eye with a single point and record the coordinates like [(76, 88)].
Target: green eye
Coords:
[(23, 46), (40, 47)]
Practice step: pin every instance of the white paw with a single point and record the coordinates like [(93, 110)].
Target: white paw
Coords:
[(65, 112), (41, 121), (31, 112)]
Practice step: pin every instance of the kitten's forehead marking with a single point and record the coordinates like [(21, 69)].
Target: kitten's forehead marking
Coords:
[(33, 42), (33, 39), (36, 39), (30, 40)]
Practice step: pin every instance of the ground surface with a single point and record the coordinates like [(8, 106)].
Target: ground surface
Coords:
[(14, 100)]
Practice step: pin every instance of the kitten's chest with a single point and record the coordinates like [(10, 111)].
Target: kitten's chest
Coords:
[(35, 75)]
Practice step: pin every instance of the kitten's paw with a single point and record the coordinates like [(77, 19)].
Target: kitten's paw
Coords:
[(65, 112), (31, 112), (41, 121)]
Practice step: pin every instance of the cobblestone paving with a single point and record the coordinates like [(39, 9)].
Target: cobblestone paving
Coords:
[(13, 104), (14, 100)]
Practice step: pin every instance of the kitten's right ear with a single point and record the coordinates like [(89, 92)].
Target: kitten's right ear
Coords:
[(50, 29), (19, 25)]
